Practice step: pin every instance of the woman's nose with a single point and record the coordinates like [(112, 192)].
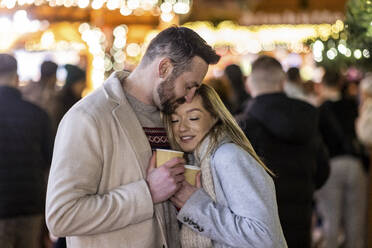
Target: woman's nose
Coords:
[(183, 126)]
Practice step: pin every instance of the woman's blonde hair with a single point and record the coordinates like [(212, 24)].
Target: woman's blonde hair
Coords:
[(225, 124)]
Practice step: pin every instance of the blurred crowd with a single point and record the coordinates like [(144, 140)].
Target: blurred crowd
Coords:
[(314, 137), (281, 131), (29, 117)]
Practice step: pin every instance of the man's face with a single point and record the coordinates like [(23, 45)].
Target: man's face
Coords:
[(172, 88)]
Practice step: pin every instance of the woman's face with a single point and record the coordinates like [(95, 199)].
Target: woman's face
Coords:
[(190, 123)]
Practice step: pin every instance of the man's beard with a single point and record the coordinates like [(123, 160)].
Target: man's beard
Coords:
[(167, 95)]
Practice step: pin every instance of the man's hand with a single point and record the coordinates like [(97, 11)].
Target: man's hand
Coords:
[(180, 198), (165, 180)]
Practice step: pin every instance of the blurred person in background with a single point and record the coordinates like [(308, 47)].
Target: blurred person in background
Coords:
[(43, 92), (284, 133), (240, 96), (25, 152), (364, 121), (223, 90), (342, 200), (71, 92), (311, 94), (293, 86)]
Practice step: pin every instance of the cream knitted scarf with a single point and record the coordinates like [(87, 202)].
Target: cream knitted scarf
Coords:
[(190, 238)]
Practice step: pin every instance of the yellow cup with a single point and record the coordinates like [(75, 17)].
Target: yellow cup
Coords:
[(163, 155), (190, 173)]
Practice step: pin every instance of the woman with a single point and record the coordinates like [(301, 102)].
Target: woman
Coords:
[(236, 205)]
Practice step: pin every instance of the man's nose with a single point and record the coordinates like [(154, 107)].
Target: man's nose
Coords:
[(190, 94)]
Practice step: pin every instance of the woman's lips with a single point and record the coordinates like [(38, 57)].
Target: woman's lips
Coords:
[(187, 138)]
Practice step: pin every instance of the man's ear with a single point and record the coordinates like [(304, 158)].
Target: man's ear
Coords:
[(165, 67)]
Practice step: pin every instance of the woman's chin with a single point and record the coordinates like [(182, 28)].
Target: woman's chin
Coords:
[(187, 148)]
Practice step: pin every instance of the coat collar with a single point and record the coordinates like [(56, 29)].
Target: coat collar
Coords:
[(127, 119), (7, 91), (113, 88)]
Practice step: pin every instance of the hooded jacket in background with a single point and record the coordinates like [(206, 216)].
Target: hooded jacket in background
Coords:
[(284, 133)]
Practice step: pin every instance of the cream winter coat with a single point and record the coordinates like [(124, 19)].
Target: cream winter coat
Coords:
[(97, 195)]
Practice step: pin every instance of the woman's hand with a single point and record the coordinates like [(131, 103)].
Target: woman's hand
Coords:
[(184, 193)]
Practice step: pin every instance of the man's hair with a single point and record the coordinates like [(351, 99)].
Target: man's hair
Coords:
[(48, 69), (180, 45), (293, 74), (331, 78), (267, 72), (8, 64)]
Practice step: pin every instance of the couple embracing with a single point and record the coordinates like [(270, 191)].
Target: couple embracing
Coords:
[(104, 189)]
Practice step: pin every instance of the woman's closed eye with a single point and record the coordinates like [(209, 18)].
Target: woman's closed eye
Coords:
[(194, 118), (174, 121)]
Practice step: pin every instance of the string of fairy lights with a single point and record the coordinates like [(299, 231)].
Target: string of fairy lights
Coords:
[(166, 9), (328, 41)]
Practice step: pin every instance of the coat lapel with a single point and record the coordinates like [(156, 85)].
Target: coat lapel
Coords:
[(127, 119), (130, 125)]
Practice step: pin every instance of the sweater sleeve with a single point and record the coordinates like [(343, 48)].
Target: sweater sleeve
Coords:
[(249, 217), (73, 206)]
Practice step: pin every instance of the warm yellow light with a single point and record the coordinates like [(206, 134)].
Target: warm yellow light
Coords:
[(83, 3), (108, 64), (10, 4), (167, 17), (181, 8), (366, 53), (342, 48), (119, 57), (47, 39), (120, 42), (133, 49), (348, 52), (22, 2), (166, 7), (68, 3), (358, 54), (97, 4), (83, 27), (125, 11), (133, 4), (120, 31), (113, 4), (118, 66)]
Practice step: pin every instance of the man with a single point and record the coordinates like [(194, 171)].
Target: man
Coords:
[(25, 152), (343, 199), (284, 133), (43, 92), (102, 190), (293, 86)]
